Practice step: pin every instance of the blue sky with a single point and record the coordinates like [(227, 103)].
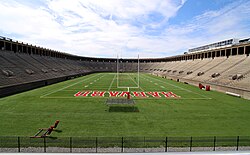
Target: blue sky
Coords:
[(105, 28)]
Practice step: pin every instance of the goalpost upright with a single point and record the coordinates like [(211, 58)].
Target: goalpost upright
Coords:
[(138, 75)]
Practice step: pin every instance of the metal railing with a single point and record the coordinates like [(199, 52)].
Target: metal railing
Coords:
[(123, 144)]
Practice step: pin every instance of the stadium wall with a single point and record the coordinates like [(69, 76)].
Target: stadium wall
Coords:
[(18, 88), (221, 88)]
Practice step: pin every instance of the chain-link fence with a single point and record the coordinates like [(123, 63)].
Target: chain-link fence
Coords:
[(123, 144)]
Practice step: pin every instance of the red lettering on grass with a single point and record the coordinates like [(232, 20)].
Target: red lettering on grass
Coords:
[(140, 94), (78, 94), (154, 94), (169, 94), (124, 94), (98, 94), (85, 94), (113, 94)]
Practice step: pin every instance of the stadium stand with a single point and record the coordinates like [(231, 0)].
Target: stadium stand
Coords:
[(24, 67), (205, 65), (236, 71)]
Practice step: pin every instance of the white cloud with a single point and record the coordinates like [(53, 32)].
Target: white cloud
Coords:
[(232, 21), (102, 28)]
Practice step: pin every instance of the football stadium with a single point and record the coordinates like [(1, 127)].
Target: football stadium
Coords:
[(54, 101)]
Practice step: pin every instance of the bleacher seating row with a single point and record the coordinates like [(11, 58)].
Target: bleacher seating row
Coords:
[(229, 71), (19, 68)]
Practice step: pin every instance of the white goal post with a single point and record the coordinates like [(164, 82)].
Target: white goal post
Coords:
[(121, 72)]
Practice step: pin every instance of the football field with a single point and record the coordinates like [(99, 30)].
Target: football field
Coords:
[(126, 82), (165, 108)]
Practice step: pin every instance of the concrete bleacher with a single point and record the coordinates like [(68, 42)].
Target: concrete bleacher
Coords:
[(242, 83), (159, 68), (228, 64), (186, 67), (171, 68), (231, 72), (192, 72), (26, 68), (19, 67), (240, 68), (208, 69), (221, 67)]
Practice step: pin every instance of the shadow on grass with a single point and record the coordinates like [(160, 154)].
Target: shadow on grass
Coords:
[(123, 109), (58, 131)]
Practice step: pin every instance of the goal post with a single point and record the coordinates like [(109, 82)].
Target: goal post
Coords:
[(128, 73)]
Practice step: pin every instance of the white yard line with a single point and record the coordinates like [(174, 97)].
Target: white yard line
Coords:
[(68, 86), (196, 98), (112, 82), (132, 79), (136, 83), (167, 83), (178, 87)]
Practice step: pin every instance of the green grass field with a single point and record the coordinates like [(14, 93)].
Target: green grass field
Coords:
[(195, 113)]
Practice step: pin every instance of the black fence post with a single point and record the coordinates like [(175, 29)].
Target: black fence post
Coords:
[(214, 142), (96, 144), (166, 145), (122, 144), (44, 144), (238, 139), (191, 142), (70, 144), (18, 144)]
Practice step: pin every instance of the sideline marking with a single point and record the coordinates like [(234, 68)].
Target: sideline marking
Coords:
[(111, 83)]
